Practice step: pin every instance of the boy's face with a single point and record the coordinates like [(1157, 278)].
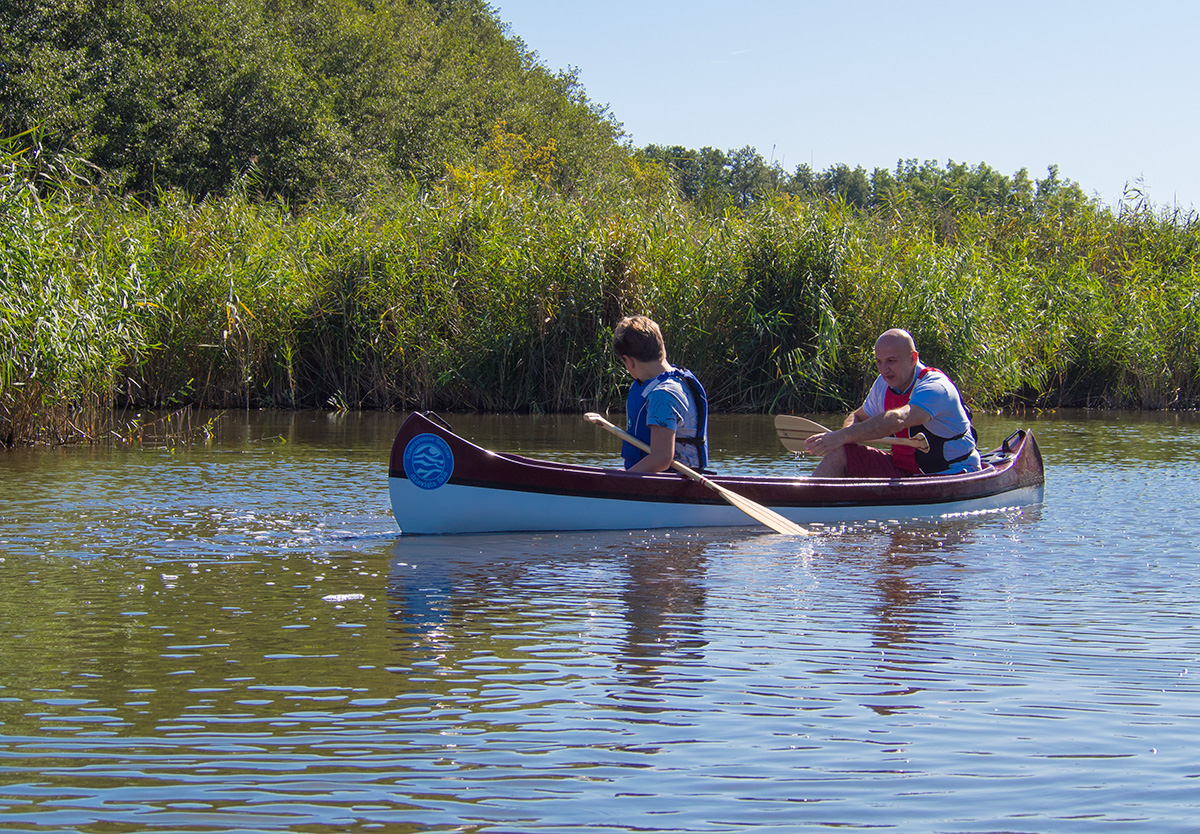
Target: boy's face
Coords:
[(627, 361)]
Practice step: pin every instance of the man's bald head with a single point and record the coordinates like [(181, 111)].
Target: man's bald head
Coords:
[(896, 358), (897, 338)]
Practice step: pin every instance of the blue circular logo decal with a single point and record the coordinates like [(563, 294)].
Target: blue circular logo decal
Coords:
[(428, 461)]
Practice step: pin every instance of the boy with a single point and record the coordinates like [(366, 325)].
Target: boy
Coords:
[(667, 408)]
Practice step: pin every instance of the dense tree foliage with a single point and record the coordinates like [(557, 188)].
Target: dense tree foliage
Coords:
[(346, 98), (292, 97), (716, 180)]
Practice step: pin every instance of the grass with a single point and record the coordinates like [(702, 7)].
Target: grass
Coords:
[(494, 294)]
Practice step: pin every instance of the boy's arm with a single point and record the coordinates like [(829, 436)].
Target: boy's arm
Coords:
[(662, 451)]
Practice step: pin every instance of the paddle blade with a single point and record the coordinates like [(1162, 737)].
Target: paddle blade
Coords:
[(761, 514), (797, 424), (793, 431)]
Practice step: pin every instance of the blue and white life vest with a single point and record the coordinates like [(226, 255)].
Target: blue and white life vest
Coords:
[(637, 411)]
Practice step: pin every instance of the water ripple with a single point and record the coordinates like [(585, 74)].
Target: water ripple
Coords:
[(236, 640)]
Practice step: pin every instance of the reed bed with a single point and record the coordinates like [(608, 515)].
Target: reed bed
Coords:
[(488, 293)]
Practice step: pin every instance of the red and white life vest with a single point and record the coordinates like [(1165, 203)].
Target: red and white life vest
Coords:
[(908, 458)]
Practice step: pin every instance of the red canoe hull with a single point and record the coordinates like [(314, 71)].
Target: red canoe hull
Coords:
[(441, 483)]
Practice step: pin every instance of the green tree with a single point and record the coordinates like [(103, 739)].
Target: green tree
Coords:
[(844, 183), (295, 98), (750, 178)]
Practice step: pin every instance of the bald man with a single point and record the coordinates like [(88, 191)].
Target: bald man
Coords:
[(907, 398)]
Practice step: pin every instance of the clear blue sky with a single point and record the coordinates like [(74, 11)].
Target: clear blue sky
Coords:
[(1107, 91)]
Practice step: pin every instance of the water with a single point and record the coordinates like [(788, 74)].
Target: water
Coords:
[(235, 638)]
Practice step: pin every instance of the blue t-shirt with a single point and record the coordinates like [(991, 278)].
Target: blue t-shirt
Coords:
[(936, 395), (670, 404)]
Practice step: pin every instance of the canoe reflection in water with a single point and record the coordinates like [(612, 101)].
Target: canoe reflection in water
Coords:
[(638, 599), (632, 612), (664, 600), (909, 601), (917, 603)]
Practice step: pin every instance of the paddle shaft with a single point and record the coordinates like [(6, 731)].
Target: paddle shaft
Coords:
[(793, 431), (756, 511)]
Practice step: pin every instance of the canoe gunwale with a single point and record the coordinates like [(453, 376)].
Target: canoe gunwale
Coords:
[(480, 478)]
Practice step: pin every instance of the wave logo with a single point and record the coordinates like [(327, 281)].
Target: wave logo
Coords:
[(428, 461)]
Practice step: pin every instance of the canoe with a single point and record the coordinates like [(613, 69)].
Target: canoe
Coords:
[(440, 483)]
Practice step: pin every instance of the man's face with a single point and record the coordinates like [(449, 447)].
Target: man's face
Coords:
[(896, 363)]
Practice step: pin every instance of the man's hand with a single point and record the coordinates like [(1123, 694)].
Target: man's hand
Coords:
[(866, 430), (823, 442)]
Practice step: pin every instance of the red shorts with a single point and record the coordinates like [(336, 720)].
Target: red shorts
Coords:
[(869, 462)]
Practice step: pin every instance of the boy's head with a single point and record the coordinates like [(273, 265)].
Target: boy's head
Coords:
[(639, 337)]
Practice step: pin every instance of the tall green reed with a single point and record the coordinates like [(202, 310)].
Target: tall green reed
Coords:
[(72, 304), (496, 294)]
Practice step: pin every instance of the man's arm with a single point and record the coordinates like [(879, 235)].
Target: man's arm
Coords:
[(859, 415), (862, 429)]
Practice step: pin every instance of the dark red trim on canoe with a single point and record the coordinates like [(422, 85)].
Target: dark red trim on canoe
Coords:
[(1014, 465)]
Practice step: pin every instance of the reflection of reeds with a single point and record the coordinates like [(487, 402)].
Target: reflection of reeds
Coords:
[(493, 295), (172, 428)]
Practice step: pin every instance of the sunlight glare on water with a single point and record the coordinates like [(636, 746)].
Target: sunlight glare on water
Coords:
[(236, 638)]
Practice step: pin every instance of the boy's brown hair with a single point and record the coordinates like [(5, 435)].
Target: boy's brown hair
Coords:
[(639, 337)]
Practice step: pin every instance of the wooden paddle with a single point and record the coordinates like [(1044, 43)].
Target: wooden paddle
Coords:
[(757, 512), (793, 431)]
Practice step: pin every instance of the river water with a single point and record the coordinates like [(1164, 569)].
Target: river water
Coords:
[(235, 637)]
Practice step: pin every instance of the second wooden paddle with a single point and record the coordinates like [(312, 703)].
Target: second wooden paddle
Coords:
[(793, 431)]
